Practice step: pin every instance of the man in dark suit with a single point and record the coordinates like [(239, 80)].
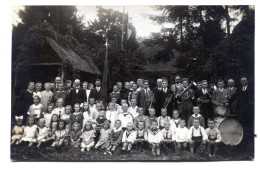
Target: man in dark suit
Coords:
[(56, 84), (157, 97), (77, 94), (166, 97), (96, 92), (144, 97)]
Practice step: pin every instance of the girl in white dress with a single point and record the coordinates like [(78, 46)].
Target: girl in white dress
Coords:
[(35, 109), (47, 116), (29, 134), (87, 136), (87, 115), (42, 132), (111, 114), (59, 110), (66, 117)]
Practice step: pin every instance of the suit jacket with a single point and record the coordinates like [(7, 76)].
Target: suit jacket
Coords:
[(219, 97), (157, 97), (95, 94), (75, 97), (142, 101), (207, 96), (164, 95)]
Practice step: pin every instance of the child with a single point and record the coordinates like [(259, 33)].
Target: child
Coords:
[(154, 137), (214, 138), (175, 119), (35, 109), (42, 132), (17, 130), (92, 107), (86, 114), (163, 118), (181, 135), (47, 116), (38, 88), (103, 141), (66, 117), (152, 117), (60, 110), (125, 117), (87, 136), (77, 116), (53, 127), (196, 136), (114, 100), (75, 135), (168, 138), (60, 134), (141, 117), (111, 114), (133, 108), (115, 137), (120, 108), (128, 138), (196, 115), (141, 136), (29, 134), (100, 120)]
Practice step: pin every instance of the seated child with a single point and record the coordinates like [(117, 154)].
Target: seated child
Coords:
[(75, 135), (29, 134), (60, 134), (214, 138), (60, 110), (120, 108), (196, 136), (154, 137), (86, 114), (53, 127), (141, 117), (66, 117), (17, 131), (181, 135), (42, 132), (163, 118), (87, 136), (104, 141), (151, 116), (111, 114), (168, 138), (47, 116), (128, 138), (141, 136), (77, 116), (175, 119), (115, 137), (100, 120), (125, 116), (196, 115)]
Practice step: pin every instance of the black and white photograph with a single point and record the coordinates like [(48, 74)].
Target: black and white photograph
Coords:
[(132, 83)]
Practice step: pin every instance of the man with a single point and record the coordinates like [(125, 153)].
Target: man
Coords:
[(157, 96), (115, 94), (221, 97), (67, 87), (144, 97), (125, 91), (203, 99), (177, 87), (96, 92), (57, 82), (232, 90), (166, 97), (133, 94), (77, 94), (85, 86), (140, 83), (119, 85)]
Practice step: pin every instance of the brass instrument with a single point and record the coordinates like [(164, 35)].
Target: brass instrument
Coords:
[(167, 100), (178, 96)]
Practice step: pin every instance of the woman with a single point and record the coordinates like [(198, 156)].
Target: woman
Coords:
[(60, 94), (46, 96)]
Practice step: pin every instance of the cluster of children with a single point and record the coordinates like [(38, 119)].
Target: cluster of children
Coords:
[(90, 127)]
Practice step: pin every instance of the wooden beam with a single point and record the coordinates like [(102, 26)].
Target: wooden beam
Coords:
[(38, 64)]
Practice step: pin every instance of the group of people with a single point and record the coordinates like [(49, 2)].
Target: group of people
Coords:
[(168, 118)]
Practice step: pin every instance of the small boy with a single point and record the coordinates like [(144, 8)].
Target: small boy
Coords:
[(154, 137), (141, 117), (151, 116), (141, 136), (175, 119), (197, 136), (214, 138), (125, 116), (181, 135), (115, 137), (99, 124), (162, 119), (196, 115), (128, 138), (168, 141)]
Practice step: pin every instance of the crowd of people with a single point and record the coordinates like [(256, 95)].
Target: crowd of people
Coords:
[(168, 118)]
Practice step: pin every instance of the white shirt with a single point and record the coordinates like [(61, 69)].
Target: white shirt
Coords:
[(98, 89), (204, 91), (133, 111), (165, 90), (77, 89), (181, 134), (197, 132), (87, 93), (168, 134), (154, 137), (59, 111), (129, 136), (244, 88), (161, 120), (112, 116), (125, 118)]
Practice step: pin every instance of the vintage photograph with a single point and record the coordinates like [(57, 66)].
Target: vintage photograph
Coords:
[(133, 83)]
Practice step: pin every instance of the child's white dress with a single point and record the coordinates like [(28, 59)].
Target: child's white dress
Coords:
[(30, 133), (133, 111), (112, 116), (59, 111), (88, 139), (35, 110), (87, 117), (18, 132), (47, 118), (42, 135)]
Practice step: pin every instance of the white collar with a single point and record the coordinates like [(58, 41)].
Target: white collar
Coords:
[(197, 116), (116, 130)]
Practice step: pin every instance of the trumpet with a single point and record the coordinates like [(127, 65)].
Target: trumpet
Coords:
[(167, 100), (178, 96)]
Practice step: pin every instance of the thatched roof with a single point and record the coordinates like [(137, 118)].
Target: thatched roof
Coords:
[(76, 61)]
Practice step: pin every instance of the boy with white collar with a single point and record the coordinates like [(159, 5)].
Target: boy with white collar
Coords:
[(175, 120), (125, 116), (198, 116), (162, 119), (129, 137), (168, 138)]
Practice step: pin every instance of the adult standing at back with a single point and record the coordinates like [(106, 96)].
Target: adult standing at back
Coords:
[(77, 94), (144, 97), (26, 99), (96, 92), (157, 97)]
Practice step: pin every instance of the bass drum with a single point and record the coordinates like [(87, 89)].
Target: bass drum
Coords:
[(230, 129)]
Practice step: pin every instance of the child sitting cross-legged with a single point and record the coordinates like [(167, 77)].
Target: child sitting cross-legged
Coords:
[(154, 138), (115, 137), (141, 136), (42, 133), (17, 131), (168, 140), (75, 135), (181, 135), (128, 138), (29, 134), (214, 138), (87, 136)]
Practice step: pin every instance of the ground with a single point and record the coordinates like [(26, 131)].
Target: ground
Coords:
[(225, 153)]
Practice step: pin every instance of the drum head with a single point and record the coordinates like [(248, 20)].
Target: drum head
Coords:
[(231, 132)]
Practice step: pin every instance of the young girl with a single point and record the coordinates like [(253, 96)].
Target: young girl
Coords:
[(17, 130), (53, 127), (66, 117), (29, 134), (75, 135), (60, 110), (103, 141), (111, 114), (115, 137), (88, 136), (128, 138), (100, 120), (60, 134), (86, 114), (154, 138), (38, 88), (42, 132), (35, 109), (47, 116), (77, 116)]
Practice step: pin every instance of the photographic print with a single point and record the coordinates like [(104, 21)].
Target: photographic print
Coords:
[(133, 83)]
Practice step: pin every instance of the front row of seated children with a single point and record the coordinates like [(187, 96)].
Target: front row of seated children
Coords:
[(167, 138)]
